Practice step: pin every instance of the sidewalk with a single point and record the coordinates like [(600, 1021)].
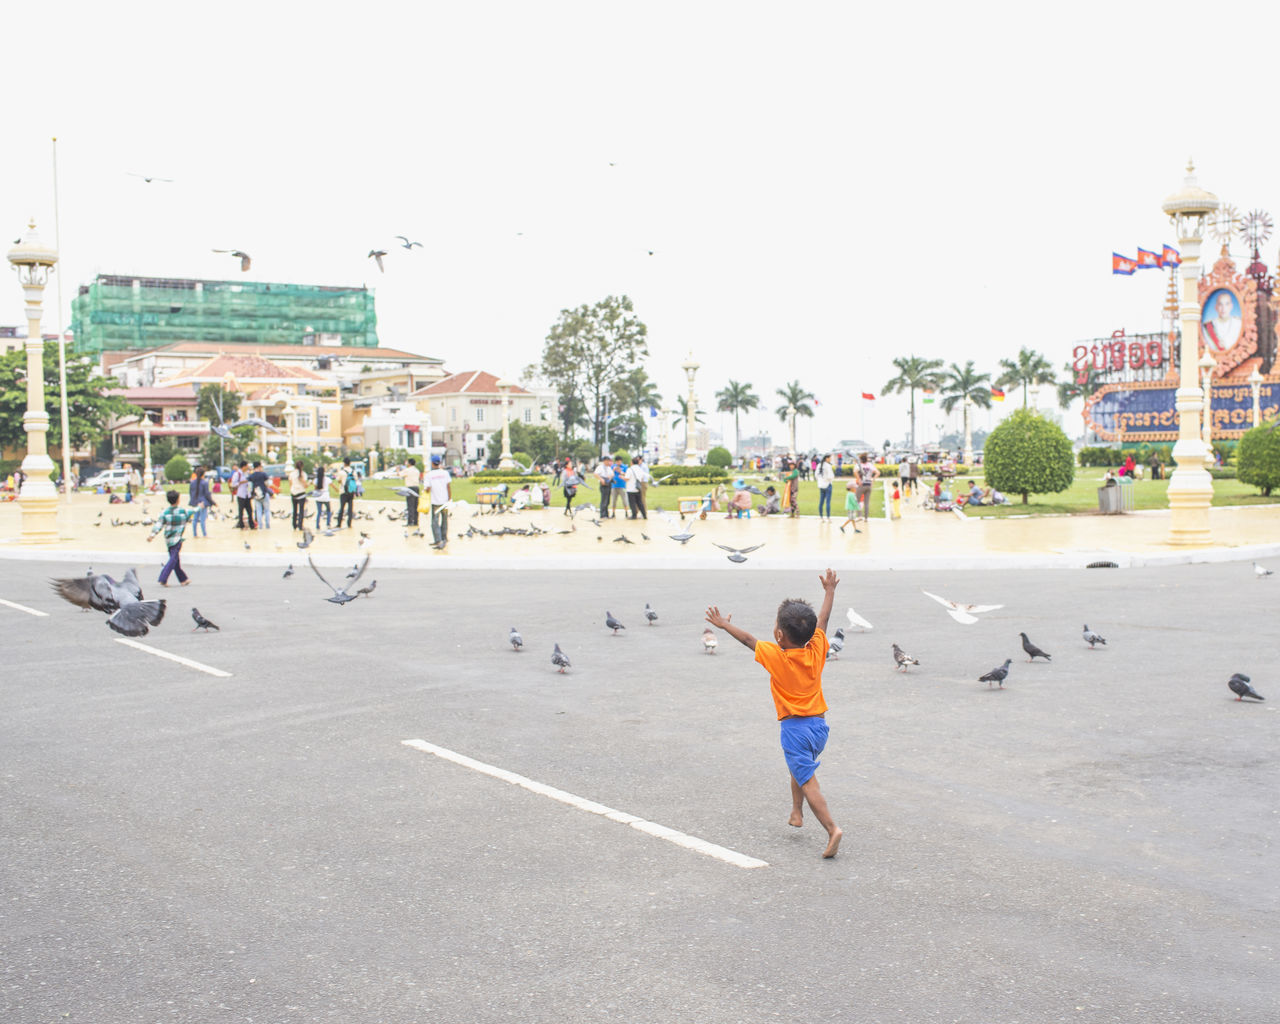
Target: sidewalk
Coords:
[(920, 540)]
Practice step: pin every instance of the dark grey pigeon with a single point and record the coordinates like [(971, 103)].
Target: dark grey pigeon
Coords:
[(201, 622), (613, 623), (683, 537), (560, 659), (1032, 650), (517, 641), (997, 675), (902, 659), (1092, 638), (340, 596), (739, 554), (1239, 685), (131, 615), (650, 614), (836, 643), (288, 572), (307, 538)]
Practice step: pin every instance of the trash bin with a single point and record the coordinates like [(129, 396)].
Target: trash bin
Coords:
[(1109, 500)]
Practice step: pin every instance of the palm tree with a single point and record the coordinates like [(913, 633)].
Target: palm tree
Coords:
[(736, 398), (968, 386), (797, 404), (683, 403), (1029, 368), (913, 372), (1073, 387)]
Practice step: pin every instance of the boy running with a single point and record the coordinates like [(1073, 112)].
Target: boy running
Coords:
[(794, 663), (173, 521)]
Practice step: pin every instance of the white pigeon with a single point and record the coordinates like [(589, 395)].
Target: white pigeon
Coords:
[(709, 641), (962, 612), (1259, 571), (857, 620)]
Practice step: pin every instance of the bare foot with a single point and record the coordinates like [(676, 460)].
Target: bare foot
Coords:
[(796, 819), (833, 844)]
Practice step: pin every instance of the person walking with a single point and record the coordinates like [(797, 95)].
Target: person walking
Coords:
[(260, 492), (851, 504), (321, 496), (298, 487), (571, 484), (240, 488), (347, 487), (173, 521), (867, 473), (413, 484), (604, 474), (826, 476), (440, 483), (199, 498)]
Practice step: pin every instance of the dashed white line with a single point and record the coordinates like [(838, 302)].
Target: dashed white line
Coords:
[(198, 666), (24, 608), (689, 842)]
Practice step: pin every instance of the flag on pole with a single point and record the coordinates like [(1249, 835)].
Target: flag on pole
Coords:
[(868, 396), (816, 402), (1148, 260), (1170, 257), (928, 398), (997, 395), (652, 412), (1123, 264)]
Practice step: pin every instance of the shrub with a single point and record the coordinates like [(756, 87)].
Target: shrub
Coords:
[(489, 477), (623, 456), (1258, 458), (1026, 454), (719, 457), (1105, 457), (524, 458), (177, 470), (689, 474)]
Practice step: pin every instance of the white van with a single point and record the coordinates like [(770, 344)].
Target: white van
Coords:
[(116, 479)]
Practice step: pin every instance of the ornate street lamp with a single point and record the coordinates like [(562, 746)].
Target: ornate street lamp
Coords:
[(1190, 486), (691, 412), (791, 422), (1207, 366), (968, 433), (38, 497), (1255, 382), (505, 461)]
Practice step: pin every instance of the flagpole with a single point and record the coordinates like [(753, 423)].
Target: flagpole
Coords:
[(63, 418)]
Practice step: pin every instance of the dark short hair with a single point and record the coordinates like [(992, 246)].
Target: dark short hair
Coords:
[(346, 462), (257, 463), (797, 620), (171, 497)]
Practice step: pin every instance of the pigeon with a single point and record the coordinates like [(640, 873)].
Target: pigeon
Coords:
[(644, 536), (149, 179), (246, 546), (367, 591), (1259, 571), (288, 572), (376, 255), (622, 538), (902, 659), (307, 538), (684, 537), (201, 622), (650, 614), (131, 615), (962, 612), (613, 623), (355, 571), (340, 596), (1239, 685), (406, 244), (739, 554), (516, 640), (243, 257), (836, 643), (1091, 638), (997, 675), (857, 620), (1032, 650), (223, 430), (709, 641), (560, 659)]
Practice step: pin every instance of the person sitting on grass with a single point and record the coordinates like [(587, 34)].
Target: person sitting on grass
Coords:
[(772, 503), (974, 497)]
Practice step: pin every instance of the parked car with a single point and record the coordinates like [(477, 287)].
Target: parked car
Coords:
[(112, 478)]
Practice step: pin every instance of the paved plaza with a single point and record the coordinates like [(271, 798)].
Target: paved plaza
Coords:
[(1093, 843)]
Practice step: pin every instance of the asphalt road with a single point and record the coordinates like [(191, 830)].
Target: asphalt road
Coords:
[(1093, 843)]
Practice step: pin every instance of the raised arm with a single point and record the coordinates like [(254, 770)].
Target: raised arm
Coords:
[(723, 622), (829, 582)]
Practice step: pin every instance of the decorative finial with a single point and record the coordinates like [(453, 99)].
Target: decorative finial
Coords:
[(1191, 166)]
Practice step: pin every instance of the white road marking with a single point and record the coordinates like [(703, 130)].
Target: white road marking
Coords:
[(173, 657), (23, 608), (689, 842)]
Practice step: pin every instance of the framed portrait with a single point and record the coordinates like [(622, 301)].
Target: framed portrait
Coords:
[(1221, 322)]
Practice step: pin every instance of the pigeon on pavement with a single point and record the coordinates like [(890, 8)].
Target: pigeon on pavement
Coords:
[(1239, 685), (1259, 571), (515, 639), (131, 615), (836, 643), (613, 623), (709, 641), (201, 622), (739, 554), (902, 659), (1092, 638), (340, 596), (1032, 650), (962, 612), (857, 620), (288, 572), (997, 675), (367, 591), (650, 614), (560, 659)]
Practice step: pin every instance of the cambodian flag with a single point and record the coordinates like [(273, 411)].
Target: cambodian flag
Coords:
[(1170, 257), (1148, 260), (1122, 264)]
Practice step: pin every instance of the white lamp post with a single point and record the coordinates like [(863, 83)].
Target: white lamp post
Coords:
[(1207, 366), (791, 423), (1255, 382), (691, 412), (968, 433), (1190, 486), (505, 461), (38, 497), (146, 451)]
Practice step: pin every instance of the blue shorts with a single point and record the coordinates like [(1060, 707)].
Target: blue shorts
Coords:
[(802, 742)]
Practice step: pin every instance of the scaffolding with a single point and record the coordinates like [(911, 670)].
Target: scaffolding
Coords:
[(126, 313)]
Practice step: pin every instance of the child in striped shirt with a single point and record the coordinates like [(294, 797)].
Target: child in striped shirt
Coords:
[(173, 521)]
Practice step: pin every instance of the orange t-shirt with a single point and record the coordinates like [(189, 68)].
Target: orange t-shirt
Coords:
[(795, 675)]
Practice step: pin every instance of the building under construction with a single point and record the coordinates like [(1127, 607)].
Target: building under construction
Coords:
[(118, 313)]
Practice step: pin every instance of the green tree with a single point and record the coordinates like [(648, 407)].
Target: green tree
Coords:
[(177, 469), (736, 397), (1029, 368), (794, 395), (93, 401), (216, 404), (1077, 385), (719, 457), (960, 383), (1258, 458), (914, 374), (1027, 454), (541, 442)]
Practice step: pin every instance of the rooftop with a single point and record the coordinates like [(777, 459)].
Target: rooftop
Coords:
[(472, 382)]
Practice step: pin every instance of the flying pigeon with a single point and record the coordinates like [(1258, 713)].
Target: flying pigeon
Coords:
[(1032, 650), (613, 623), (376, 255), (622, 538), (131, 615), (997, 675), (243, 257), (340, 596), (307, 538), (650, 614), (148, 179), (1091, 638), (683, 537), (962, 612), (560, 659), (902, 659), (201, 622), (857, 620), (367, 591), (739, 554), (1239, 685), (288, 572), (224, 429), (406, 244), (709, 641), (517, 641), (836, 644), (1259, 571)]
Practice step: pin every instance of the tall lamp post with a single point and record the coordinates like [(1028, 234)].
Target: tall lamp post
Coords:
[(505, 461), (38, 497), (968, 433), (791, 423), (146, 451), (691, 411), (1207, 366), (1190, 486), (1255, 382)]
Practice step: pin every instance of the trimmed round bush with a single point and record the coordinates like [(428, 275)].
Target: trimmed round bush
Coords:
[(1258, 458), (1027, 454), (177, 470), (719, 457)]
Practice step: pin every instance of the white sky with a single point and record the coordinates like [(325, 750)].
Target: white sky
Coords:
[(824, 185)]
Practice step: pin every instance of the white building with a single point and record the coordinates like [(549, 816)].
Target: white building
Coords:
[(468, 409)]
